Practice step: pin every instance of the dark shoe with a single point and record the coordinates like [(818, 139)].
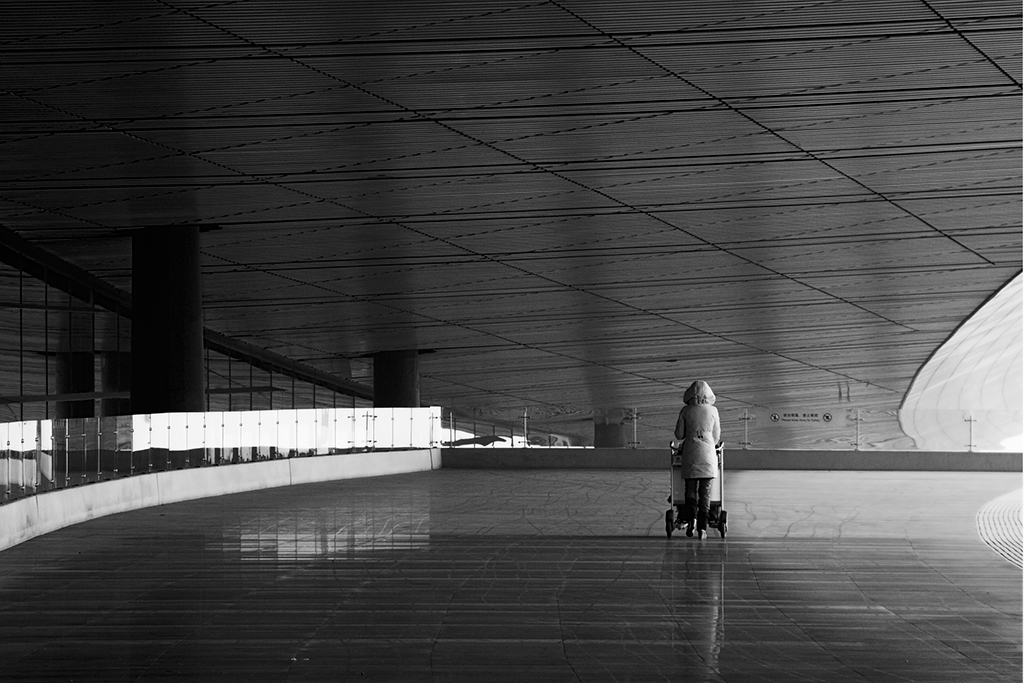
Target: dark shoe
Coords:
[(689, 529)]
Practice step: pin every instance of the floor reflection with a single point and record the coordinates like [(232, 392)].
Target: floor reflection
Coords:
[(352, 531), (695, 593)]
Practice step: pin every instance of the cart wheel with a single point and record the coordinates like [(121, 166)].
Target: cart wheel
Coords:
[(669, 523), (723, 523)]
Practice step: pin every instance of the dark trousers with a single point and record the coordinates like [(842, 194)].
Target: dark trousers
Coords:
[(698, 500)]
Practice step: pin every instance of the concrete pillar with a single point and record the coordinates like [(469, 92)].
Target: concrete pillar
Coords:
[(167, 321), (611, 435), (75, 370), (396, 379), (611, 430), (115, 375), (75, 374)]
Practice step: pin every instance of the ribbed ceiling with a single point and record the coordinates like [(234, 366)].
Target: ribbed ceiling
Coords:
[(575, 204)]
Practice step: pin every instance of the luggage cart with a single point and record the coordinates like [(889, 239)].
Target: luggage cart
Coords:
[(717, 517)]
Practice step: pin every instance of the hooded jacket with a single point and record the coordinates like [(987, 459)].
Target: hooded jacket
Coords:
[(699, 430)]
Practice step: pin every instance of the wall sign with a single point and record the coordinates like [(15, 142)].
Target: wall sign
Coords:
[(801, 416)]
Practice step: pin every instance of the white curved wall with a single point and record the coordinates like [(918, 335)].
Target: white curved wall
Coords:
[(977, 372)]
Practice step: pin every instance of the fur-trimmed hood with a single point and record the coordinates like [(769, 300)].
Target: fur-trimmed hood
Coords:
[(699, 392)]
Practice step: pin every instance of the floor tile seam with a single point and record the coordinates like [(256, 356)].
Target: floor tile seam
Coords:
[(561, 624), (951, 582), (807, 638), (94, 619), (449, 604), (938, 645)]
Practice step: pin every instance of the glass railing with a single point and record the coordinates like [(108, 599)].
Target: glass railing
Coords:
[(44, 455), (823, 427)]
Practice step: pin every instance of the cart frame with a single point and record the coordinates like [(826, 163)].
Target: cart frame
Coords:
[(718, 518)]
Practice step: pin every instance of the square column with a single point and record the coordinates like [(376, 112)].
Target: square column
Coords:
[(167, 321), (396, 379)]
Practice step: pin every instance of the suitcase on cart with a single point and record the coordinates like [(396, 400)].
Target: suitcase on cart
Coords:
[(718, 518)]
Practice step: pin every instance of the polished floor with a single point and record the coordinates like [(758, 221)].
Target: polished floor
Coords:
[(470, 575)]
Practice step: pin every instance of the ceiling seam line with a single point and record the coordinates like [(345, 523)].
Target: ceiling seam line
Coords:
[(481, 142), (967, 40), (354, 297), (770, 131), (320, 199), (120, 22), (455, 114), (555, 353), (703, 28)]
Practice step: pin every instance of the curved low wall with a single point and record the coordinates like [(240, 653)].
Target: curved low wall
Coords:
[(33, 516), (656, 459)]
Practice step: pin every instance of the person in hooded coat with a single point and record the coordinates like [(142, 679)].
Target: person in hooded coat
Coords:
[(699, 430)]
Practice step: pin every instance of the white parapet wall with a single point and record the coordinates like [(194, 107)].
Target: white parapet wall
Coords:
[(36, 515)]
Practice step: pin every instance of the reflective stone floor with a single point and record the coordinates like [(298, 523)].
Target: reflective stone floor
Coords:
[(470, 575)]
